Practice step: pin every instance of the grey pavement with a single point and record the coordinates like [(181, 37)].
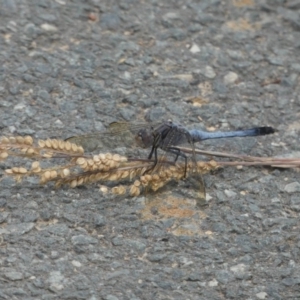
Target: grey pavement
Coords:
[(72, 67)]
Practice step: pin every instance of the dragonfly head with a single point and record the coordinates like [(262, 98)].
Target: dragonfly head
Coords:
[(144, 138)]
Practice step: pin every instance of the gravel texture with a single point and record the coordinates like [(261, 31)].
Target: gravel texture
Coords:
[(71, 67)]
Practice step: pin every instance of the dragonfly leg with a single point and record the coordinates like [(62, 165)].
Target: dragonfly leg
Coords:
[(155, 145), (178, 153), (153, 151)]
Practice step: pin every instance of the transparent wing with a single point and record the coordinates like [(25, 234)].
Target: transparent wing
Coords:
[(118, 135), (178, 135), (197, 181), (130, 138)]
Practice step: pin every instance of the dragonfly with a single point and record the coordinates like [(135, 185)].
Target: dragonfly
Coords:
[(165, 135)]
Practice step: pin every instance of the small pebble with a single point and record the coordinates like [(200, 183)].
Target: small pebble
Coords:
[(195, 48), (230, 78)]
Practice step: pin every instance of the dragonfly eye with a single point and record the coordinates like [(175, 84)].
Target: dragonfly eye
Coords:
[(144, 138)]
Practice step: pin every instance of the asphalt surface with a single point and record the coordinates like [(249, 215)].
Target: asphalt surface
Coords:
[(72, 67)]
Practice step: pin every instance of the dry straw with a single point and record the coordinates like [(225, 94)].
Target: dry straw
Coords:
[(79, 168)]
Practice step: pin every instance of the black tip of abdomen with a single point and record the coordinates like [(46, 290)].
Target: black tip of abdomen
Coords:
[(264, 130)]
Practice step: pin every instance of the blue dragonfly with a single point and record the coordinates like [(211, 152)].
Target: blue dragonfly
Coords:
[(167, 136)]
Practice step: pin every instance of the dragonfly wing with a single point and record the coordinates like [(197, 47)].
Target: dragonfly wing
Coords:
[(197, 180), (182, 136), (103, 141), (192, 189), (129, 139), (88, 142), (169, 136), (199, 187), (118, 135)]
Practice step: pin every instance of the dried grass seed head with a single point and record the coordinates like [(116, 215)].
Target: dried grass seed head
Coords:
[(68, 146), (28, 140), (20, 170), (119, 190), (134, 191), (19, 139), (3, 155), (35, 165), (48, 143), (65, 172), (30, 151), (4, 140), (73, 183), (60, 145), (41, 143), (96, 158)]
